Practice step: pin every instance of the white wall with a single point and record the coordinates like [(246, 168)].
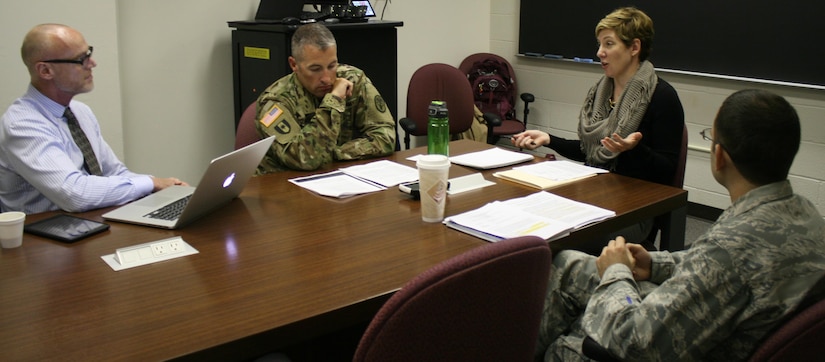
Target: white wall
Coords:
[(176, 66), (560, 88)]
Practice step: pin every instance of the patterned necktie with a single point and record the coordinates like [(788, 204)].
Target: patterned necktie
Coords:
[(89, 159)]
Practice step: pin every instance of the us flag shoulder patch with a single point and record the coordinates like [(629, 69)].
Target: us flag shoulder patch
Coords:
[(271, 115)]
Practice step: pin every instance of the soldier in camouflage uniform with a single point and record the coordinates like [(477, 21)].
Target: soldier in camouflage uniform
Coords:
[(718, 299), (323, 111)]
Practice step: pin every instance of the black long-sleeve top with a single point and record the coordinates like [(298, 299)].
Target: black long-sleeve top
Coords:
[(657, 154)]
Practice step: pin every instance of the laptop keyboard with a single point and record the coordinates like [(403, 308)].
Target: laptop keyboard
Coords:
[(171, 211)]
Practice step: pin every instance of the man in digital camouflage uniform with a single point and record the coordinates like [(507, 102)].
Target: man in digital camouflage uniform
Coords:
[(720, 298), (323, 111)]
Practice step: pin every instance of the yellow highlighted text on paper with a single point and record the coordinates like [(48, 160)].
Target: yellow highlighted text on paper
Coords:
[(534, 227)]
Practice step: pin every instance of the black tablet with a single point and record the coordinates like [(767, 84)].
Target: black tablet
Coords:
[(65, 228)]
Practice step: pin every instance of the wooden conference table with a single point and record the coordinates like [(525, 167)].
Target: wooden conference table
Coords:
[(275, 267)]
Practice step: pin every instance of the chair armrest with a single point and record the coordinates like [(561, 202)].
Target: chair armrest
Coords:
[(408, 125), (492, 119), (593, 350), (528, 97)]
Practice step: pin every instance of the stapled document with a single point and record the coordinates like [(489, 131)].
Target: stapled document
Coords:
[(491, 158), (549, 174), (541, 214)]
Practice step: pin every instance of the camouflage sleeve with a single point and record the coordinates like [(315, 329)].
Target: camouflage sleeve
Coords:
[(296, 147), (374, 122), (663, 263), (679, 320)]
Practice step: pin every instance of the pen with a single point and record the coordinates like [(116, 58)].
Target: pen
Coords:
[(513, 138), (321, 176)]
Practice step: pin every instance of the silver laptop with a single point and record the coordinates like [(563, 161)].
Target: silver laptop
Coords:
[(176, 206)]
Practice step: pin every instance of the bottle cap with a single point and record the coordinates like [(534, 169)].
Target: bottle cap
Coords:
[(437, 109)]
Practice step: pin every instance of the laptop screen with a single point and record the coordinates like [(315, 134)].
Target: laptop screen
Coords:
[(278, 9), (370, 12)]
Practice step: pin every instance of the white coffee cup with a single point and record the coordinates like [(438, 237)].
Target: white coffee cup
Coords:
[(11, 229), (433, 171)]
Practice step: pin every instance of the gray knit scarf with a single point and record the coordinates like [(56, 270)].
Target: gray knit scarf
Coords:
[(598, 119)]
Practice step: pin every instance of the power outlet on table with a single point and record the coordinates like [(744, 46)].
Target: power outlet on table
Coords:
[(159, 249), (164, 247), (175, 246), (152, 252)]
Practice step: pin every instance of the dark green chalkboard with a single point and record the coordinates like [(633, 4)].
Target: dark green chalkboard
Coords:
[(766, 40)]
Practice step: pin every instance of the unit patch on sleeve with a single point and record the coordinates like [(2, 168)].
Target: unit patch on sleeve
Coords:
[(380, 105)]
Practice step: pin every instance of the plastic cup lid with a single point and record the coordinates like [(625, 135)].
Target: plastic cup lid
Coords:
[(433, 161)]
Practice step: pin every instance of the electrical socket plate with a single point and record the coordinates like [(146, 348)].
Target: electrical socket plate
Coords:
[(147, 253)]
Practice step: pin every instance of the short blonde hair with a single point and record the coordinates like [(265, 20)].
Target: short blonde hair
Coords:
[(630, 23)]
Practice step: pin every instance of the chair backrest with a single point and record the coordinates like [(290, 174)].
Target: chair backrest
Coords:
[(471, 59), (466, 67), (246, 133), (678, 181), (484, 304), (679, 176), (438, 81), (798, 339)]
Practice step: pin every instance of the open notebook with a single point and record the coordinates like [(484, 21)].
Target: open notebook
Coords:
[(176, 206)]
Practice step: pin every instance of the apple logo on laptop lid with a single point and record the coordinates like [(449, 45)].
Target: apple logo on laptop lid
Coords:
[(228, 180)]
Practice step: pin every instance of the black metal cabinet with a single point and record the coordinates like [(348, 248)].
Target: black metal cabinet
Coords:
[(260, 51)]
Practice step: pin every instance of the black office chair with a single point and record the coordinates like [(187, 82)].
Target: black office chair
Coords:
[(443, 82), (678, 181)]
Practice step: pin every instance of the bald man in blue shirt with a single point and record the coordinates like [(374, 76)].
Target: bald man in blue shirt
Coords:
[(42, 167)]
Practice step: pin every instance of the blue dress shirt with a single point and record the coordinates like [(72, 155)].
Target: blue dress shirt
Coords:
[(41, 168)]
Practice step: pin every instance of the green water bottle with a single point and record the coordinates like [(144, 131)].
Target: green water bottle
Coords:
[(438, 129)]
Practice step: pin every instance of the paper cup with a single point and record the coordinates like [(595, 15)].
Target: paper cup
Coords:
[(11, 229), (433, 171)]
